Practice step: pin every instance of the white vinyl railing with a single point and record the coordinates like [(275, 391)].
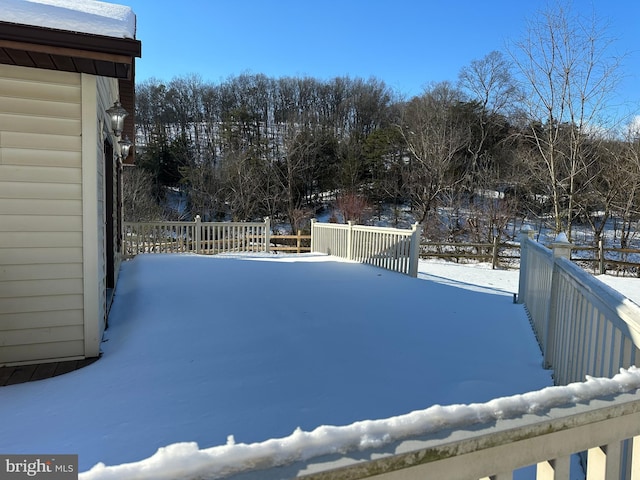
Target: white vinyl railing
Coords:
[(491, 449), (584, 327), (389, 248), (196, 237)]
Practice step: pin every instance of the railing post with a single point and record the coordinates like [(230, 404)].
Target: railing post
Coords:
[(350, 241), (561, 249), (526, 233), (198, 233), (267, 234), (414, 254), (313, 227)]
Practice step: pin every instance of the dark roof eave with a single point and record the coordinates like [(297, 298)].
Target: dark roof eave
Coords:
[(73, 40)]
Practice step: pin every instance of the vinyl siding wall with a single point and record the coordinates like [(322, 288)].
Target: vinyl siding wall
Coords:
[(43, 285)]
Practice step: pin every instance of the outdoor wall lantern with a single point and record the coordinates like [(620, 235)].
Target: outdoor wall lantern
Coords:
[(125, 146), (117, 115)]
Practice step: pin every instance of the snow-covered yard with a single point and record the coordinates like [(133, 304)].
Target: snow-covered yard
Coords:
[(241, 349)]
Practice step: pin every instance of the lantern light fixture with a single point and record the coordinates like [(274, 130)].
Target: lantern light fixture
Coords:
[(125, 146), (117, 115)]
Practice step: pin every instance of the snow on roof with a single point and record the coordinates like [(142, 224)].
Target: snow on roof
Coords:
[(84, 16)]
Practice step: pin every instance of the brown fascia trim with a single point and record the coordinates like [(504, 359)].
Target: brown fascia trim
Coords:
[(27, 34), (127, 87)]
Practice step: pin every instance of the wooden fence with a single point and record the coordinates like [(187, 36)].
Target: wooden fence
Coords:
[(298, 243), (600, 260), (389, 248), (498, 253)]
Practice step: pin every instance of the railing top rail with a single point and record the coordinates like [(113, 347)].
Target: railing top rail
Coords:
[(607, 298), (172, 223), (158, 223), (433, 444), (546, 253), (367, 228), (506, 432), (234, 224), (385, 230), (330, 225)]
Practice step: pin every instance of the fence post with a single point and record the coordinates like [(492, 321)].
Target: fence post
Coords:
[(267, 234), (198, 233), (561, 249), (414, 255), (601, 257), (494, 256), (313, 227), (526, 233), (350, 241), (299, 241)]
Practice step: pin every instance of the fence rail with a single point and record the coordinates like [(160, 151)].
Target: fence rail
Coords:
[(599, 259), (606, 260), (291, 243), (496, 252), (389, 248)]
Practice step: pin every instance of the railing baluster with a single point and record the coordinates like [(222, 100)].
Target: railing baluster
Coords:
[(635, 458), (554, 469)]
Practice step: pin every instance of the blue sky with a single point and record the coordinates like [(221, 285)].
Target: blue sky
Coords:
[(405, 43)]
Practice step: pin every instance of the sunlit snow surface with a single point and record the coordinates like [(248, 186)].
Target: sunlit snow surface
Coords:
[(213, 364)]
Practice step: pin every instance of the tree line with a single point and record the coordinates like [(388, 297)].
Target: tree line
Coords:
[(523, 134)]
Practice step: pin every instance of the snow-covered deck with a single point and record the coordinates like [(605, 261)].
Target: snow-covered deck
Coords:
[(222, 355)]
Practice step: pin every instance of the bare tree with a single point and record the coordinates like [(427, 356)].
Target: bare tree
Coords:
[(139, 202), (568, 80), (628, 182), (434, 137), (489, 83)]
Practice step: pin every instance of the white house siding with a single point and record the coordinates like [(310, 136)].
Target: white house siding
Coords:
[(41, 216)]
